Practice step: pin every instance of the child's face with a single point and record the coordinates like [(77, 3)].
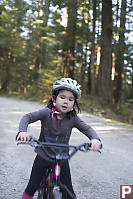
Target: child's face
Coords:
[(65, 101)]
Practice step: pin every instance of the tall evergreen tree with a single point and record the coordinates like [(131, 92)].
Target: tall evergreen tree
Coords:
[(69, 38), (104, 76), (91, 76), (119, 65)]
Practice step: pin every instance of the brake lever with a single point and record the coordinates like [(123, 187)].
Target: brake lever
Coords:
[(99, 151)]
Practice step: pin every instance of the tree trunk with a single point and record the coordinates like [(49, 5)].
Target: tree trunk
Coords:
[(131, 91), (104, 74), (91, 75), (117, 84), (69, 39), (40, 60), (43, 44), (5, 70)]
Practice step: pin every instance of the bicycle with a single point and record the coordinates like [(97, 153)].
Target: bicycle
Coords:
[(51, 186)]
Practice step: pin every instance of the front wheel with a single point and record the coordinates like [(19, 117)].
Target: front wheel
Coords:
[(56, 193), (50, 193), (40, 194)]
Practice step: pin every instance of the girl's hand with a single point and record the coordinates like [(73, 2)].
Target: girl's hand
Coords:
[(95, 144), (23, 136)]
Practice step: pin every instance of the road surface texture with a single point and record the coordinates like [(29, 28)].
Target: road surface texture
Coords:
[(94, 175)]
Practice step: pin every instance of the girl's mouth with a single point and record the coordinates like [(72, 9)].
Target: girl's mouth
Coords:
[(64, 107)]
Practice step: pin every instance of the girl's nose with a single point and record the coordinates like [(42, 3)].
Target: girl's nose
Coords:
[(66, 101)]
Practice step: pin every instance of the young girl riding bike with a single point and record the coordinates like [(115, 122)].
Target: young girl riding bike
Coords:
[(57, 121)]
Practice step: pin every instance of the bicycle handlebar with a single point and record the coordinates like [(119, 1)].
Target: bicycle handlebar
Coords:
[(36, 143)]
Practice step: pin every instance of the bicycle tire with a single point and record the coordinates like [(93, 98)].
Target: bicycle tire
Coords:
[(40, 194), (47, 195), (43, 194), (56, 193)]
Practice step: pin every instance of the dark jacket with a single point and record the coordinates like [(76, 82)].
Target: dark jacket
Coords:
[(55, 130)]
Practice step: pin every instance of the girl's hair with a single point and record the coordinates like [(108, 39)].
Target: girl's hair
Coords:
[(73, 112)]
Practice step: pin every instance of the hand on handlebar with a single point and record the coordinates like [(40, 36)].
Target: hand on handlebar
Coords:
[(23, 136), (95, 145)]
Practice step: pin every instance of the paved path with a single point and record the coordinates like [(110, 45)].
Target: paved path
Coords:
[(94, 175)]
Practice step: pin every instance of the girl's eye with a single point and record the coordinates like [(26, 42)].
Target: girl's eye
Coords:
[(62, 97), (70, 100)]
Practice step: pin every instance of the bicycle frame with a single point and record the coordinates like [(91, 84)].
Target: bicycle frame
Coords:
[(51, 183)]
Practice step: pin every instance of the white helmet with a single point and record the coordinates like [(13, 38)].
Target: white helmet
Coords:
[(68, 84)]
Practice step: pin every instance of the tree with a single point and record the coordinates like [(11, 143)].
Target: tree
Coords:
[(36, 47), (69, 39), (119, 65), (104, 75), (91, 75), (11, 22)]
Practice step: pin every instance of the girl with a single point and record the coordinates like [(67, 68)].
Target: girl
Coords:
[(57, 121)]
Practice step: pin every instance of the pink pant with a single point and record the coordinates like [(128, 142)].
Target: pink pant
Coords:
[(26, 196)]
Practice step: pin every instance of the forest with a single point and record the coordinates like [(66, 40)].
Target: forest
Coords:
[(87, 40)]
